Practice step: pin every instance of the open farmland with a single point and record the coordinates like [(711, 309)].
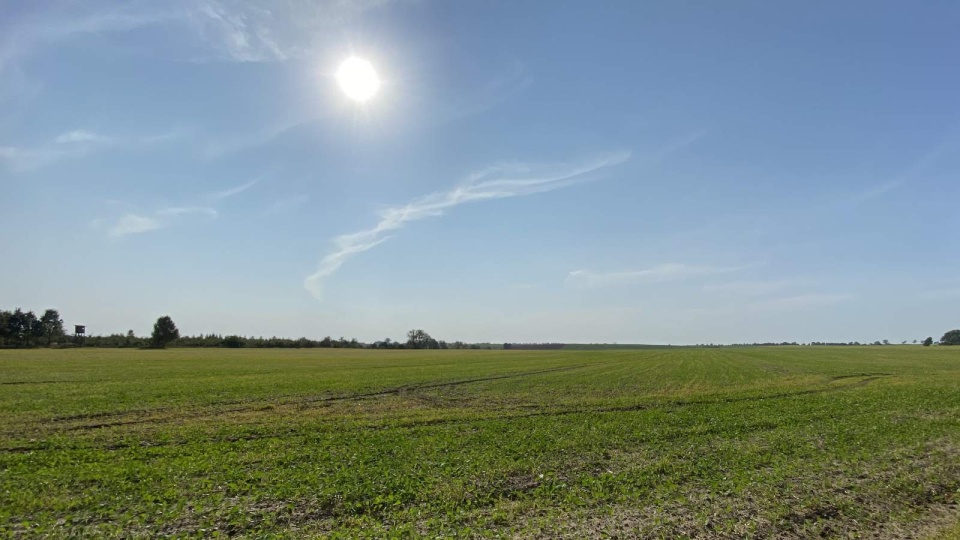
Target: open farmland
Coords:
[(791, 442)]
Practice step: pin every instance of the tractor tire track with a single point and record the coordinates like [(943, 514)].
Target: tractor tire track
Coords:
[(301, 403), (415, 424)]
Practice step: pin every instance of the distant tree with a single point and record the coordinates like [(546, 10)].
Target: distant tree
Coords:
[(233, 342), (36, 329), (928, 342), (914, 342), (5, 327), (52, 325), (951, 338), (164, 331), (886, 342), (16, 327), (418, 339)]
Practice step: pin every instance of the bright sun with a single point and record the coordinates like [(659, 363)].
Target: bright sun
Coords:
[(358, 79)]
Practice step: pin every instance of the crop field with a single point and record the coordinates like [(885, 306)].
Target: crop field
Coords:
[(791, 442)]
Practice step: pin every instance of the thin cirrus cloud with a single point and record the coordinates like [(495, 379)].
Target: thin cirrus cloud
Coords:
[(132, 223), (233, 143), (227, 193), (201, 30), (908, 175), (51, 26), (665, 272), (498, 182), (80, 135), (268, 31), (285, 204), (188, 210), (70, 145), (514, 79)]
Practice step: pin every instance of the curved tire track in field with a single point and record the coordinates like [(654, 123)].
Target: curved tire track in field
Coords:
[(445, 421), (303, 402), (646, 406), (22, 383)]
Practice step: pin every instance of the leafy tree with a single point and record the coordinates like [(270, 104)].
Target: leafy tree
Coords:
[(418, 339), (951, 338), (5, 327), (928, 342), (18, 327), (35, 328), (164, 331), (52, 325), (233, 342)]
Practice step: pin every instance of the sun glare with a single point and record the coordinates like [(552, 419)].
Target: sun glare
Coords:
[(358, 79)]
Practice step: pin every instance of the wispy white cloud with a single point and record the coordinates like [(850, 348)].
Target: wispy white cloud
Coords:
[(910, 174), (205, 30), (233, 143), (514, 79), (80, 135), (187, 210), (24, 159), (498, 182), (236, 34), (656, 274), (69, 145), (675, 145), (268, 31), (286, 204), (53, 25), (227, 193), (133, 224)]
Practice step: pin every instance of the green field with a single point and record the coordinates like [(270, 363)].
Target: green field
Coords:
[(791, 442)]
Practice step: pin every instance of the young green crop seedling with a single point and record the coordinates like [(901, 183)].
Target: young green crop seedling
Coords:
[(787, 442)]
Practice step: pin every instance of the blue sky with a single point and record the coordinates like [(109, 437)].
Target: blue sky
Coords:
[(658, 172)]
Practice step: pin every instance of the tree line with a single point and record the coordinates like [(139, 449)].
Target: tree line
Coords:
[(23, 329), (20, 329), (533, 346), (165, 333)]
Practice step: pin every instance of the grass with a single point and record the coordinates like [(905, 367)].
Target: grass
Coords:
[(791, 442)]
